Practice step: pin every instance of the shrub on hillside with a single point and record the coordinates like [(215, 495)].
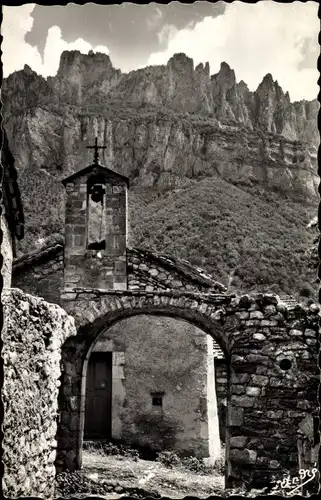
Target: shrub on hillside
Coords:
[(168, 458)]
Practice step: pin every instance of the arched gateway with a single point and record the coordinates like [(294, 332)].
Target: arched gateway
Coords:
[(105, 282)]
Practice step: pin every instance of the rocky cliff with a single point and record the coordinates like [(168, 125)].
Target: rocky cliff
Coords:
[(91, 80), (160, 122), (167, 128)]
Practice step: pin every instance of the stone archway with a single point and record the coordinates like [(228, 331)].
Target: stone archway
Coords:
[(153, 378), (96, 315), (265, 401)]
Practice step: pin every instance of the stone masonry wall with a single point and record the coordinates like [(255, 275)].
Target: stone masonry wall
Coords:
[(221, 384), (40, 273), (32, 337), (273, 386), (85, 267), (6, 252), (272, 352)]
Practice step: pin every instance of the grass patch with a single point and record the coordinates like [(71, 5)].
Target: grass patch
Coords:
[(190, 463)]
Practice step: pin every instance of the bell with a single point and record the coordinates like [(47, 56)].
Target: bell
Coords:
[(97, 193)]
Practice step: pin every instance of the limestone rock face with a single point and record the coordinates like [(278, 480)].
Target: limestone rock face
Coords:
[(23, 90), (6, 252), (161, 124), (33, 334), (81, 77), (91, 79)]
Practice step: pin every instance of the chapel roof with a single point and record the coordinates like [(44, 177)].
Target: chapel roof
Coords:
[(95, 168), (182, 266)]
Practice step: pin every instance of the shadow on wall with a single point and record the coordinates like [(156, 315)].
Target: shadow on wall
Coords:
[(162, 386)]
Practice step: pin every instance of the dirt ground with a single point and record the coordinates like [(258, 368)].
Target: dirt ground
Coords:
[(120, 476)]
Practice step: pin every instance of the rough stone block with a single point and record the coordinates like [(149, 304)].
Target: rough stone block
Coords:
[(275, 382), (237, 389), (245, 302), (278, 317), (311, 341), (257, 358), (296, 333), (256, 315), (238, 441), (253, 391), (310, 333), (253, 322), (259, 380), (243, 456), (304, 405), (268, 322), (296, 414), (237, 359), (68, 296), (259, 336), (239, 378), (244, 315), (236, 416), (275, 414), (79, 240), (269, 310), (243, 401), (281, 307), (314, 308)]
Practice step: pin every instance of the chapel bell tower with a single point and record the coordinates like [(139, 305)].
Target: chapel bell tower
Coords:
[(96, 228)]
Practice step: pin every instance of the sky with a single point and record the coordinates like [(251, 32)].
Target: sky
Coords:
[(254, 39)]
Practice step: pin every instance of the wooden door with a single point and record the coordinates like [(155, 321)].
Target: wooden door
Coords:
[(98, 396)]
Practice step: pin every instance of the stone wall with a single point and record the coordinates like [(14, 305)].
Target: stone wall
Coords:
[(40, 273), (162, 355), (6, 252), (32, 337), (273, 386), (221, 384), (102, 266), (273, 376)]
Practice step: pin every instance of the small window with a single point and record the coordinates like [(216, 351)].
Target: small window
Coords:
[(285, 364), (157, 398)]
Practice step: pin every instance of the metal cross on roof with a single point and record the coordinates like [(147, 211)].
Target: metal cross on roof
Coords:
[(96, 147)]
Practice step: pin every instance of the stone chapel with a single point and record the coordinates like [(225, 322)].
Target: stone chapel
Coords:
[(146, 384)]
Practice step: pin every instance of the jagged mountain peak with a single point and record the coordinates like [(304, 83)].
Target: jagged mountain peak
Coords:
[(28, 70), (90, 80), (201, 68), (267, 79), (225, 67), (71, 59)]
